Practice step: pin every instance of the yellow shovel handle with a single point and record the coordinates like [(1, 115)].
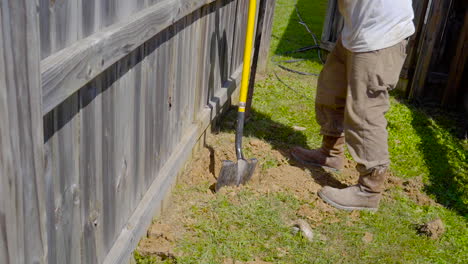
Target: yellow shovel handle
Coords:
[(247, 55)]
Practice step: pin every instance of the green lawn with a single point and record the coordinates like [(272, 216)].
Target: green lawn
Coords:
[(424, 149)]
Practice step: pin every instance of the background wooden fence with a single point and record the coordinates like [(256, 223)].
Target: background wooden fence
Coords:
[(101, 104), (435, 71)]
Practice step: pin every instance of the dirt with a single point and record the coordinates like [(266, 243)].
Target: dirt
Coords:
[(368, 238), (157, 247), (412, 188), (433, 229), (276, 172), (231, 261)]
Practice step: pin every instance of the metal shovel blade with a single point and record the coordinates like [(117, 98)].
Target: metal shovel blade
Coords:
[(235, 174)]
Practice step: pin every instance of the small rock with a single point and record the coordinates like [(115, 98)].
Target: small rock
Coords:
[(299, 128), (367, 238), (305, 229), (433, 229)]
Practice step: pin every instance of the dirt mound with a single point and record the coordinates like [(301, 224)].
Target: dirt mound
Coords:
[(275, 170), (433, 229)]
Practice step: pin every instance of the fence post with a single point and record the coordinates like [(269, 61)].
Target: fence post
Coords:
[(23, 236), (266, 35)]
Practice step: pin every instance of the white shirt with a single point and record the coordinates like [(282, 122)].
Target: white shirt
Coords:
[(375, 24)]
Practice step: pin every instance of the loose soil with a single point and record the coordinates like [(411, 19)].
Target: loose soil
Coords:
[(276, 172), (412, 188), (433, 229)]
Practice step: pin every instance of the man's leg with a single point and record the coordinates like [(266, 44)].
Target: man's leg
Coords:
[(370, 76), (329, 109)]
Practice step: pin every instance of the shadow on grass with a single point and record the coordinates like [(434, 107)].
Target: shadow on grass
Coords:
[(281, 138), (447, 182), (296, 36), (442, 152), (444, 156)]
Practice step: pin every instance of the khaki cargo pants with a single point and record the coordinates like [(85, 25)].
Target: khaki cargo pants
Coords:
[(352, 99)]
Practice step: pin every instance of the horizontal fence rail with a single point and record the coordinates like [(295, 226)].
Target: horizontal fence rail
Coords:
[(68, 70)]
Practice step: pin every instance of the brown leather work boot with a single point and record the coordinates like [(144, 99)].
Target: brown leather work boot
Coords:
[(330, 155), (363, 196)]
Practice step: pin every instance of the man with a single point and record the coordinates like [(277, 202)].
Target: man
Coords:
[(352, 97)]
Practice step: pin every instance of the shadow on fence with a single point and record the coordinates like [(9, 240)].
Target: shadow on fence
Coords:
[(61, 115)]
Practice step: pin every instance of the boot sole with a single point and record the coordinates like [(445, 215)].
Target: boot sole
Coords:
[(308, 163), (346, 208)]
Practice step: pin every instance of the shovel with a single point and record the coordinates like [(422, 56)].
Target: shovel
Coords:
[(240, 172)]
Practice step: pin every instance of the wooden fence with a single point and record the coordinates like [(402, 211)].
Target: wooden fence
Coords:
[(101, 104)]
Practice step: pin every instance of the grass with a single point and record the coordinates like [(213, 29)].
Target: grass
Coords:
[(423, 145)]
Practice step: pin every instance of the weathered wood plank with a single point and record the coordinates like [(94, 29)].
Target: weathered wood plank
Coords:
[(420, 8), (62, 182), (328, 22), (161, 101), (201, 58), (108, 168), (332, 26), (266, 36), (124, 127), (452, 90), (22, 209), (437, 12), (91, 172), (168, 101), (140, 118), (155, 103)]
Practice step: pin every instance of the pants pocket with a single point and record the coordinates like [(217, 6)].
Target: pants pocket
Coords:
[(386, 73)]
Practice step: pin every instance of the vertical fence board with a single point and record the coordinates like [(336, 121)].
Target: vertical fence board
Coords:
[(91, 173), (62, 176), (437, 12), (453, 88), (266, 35), (108, 159), (420, 7), (23, 234), (124, 132)]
